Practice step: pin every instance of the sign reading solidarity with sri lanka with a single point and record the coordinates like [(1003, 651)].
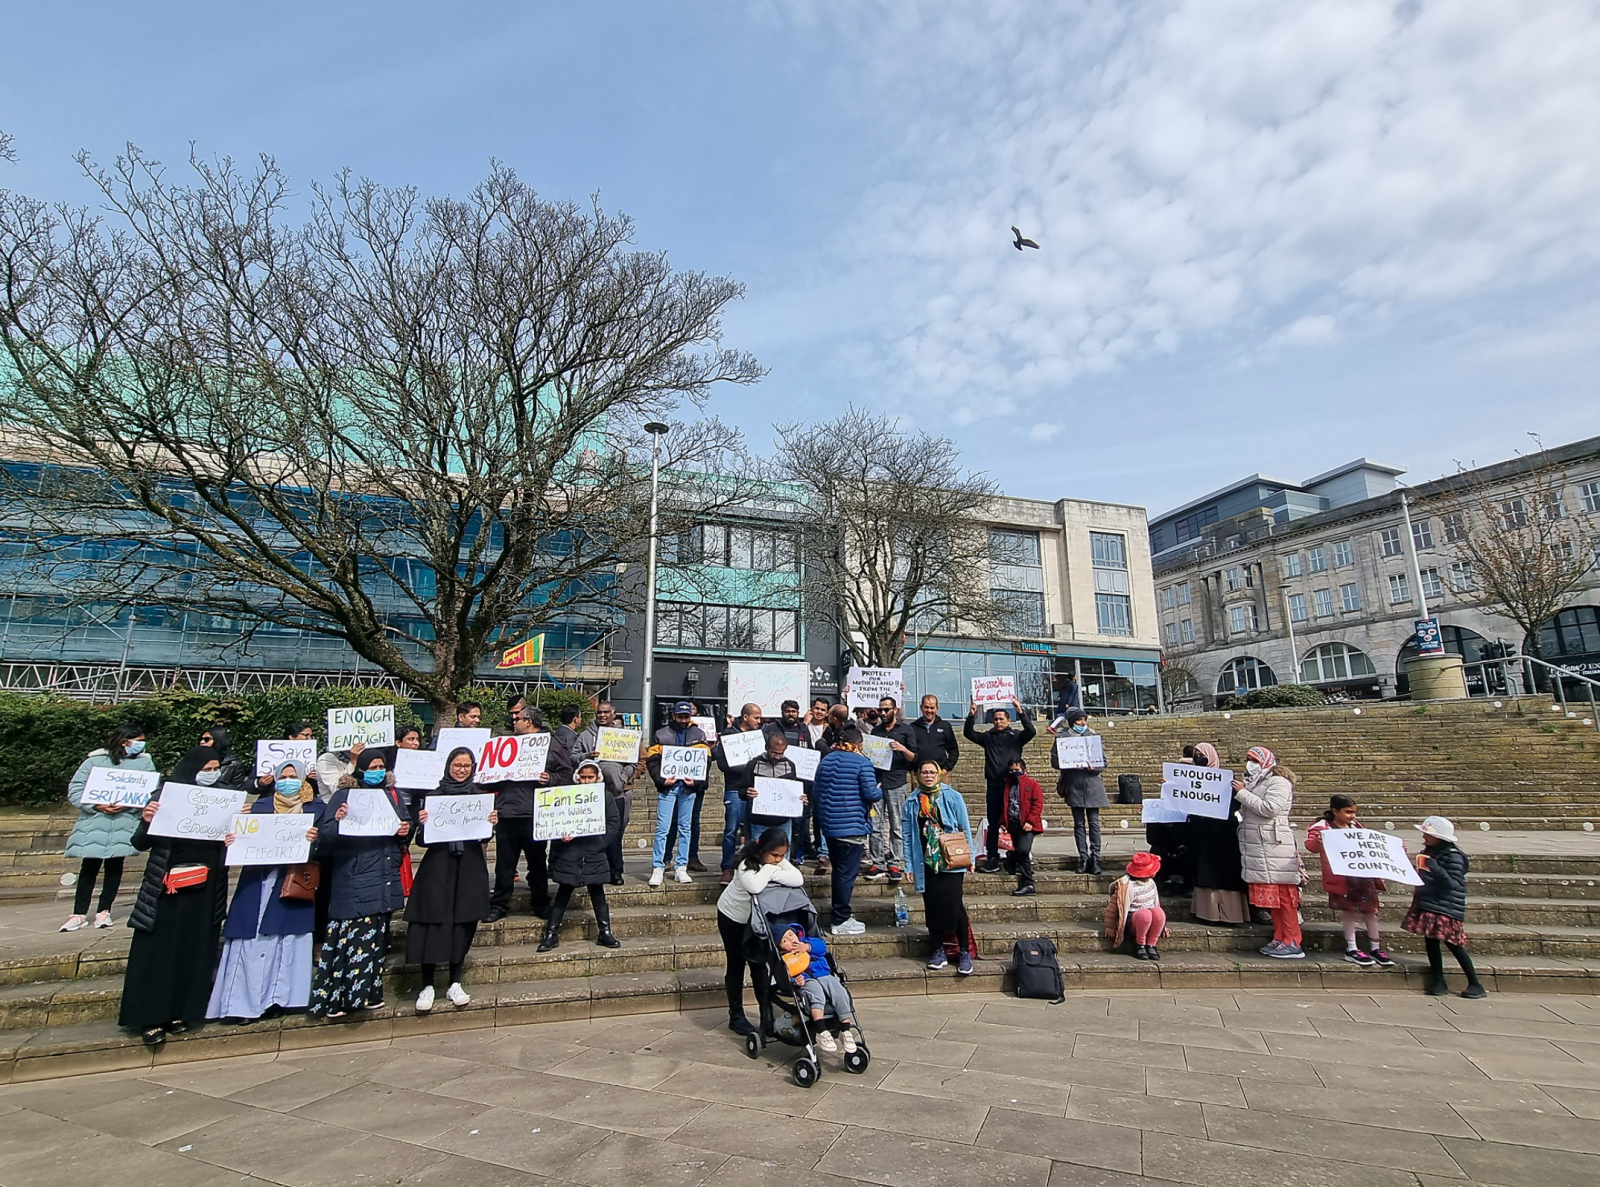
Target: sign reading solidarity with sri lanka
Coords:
[(120, 787), (1368, 853)]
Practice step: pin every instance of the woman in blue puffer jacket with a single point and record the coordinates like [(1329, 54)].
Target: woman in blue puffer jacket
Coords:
[(103, 834), (845, 790)]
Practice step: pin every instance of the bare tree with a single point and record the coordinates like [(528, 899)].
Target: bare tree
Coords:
[(1179, 684), (8, 149), (412, 424), (898, 550)]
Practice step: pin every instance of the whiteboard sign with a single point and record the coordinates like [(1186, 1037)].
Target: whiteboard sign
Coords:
[(1161, 812), (994, 690), (369, 813), (686, 763), (456, 738), (768, 685), (120, 787), (576, 811), (742, 747), (868, 686), (272, 753), (878, 750), (1080, 752), (195, 813), (268, 839), (778, 797), (617, 745), (370, 725), (419, 770), (458, 818), (515, 756), (805, 761), (1368, 853), (1199, 791)]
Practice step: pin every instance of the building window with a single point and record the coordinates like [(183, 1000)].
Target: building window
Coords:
[(1113, 605), (1189, 527), (1461, 578), (1399, 589), (1422, 533), (1514, 514), (1291, 564), (726, 628), (1316, 560), (1110, 550), (1589, 492), (1016, 578), (1027, 610), (1008, 547), (1186, 630), (1233, 580), (1323, 600), (1172, 634), (1297, 608), (1455, 527), (1183, 594), (1350, 595), (1112, 614), (1245, 674), (1242, 618), (1342, 556), (1554, 507), (1169, 599), (1389, 541), (1432, 584), (1575, 631), (1335, 661), (733, 546)]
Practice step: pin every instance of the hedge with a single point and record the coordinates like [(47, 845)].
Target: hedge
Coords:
[(1279, 696)]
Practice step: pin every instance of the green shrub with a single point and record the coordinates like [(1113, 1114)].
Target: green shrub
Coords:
[(1284, 696), (550, 701), (269, 714)]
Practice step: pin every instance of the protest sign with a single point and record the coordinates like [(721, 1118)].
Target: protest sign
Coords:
[(195, 813), (121, 787), (577, 811), (457, 818), (684, 762), (805, 762), (740, 748), (1080, 752), (455, 738), (768, 685), (994, 690), (514, 756), (369, 814), (878, 750), (617, 745), (1199, 791), (370, 725), (271, 753), (1368, 853), (868, 686), (419, 770), (777, 797), (268, 839), (708, 727), (1161, 812)]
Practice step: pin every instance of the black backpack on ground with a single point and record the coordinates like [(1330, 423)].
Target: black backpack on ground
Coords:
[(1128, 790), (1038, 974)]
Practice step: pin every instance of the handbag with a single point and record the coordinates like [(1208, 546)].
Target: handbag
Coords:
[(300, 882), (185, 878), (406, 875), (955, 851)]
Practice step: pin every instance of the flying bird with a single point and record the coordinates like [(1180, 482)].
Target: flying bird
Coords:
[(1018, 242)]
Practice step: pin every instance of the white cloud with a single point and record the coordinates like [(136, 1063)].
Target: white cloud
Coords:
[(1044, 431)]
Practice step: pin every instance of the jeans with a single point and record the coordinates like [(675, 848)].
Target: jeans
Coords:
[(614, 849), (887, 845), (760, 824), (699, 798), (996, 810), (1086, 832), (513, 838), (845, 854), (1021, 861), (674, 812), (735, 811)]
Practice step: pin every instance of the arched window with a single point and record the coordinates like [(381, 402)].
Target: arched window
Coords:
[(1331, 662), (1573, 632), (1243, 675)]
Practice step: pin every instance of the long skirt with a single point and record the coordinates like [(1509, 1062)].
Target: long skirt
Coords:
[(947, 913), (438, 943), (1220, 906), (168, 977), (260, 973), (350, 969)]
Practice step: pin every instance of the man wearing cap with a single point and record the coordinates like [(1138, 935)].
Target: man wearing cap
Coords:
[(675, 798)]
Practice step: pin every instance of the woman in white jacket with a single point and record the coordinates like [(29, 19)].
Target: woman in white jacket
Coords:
[(763, 862), (1268, 856)]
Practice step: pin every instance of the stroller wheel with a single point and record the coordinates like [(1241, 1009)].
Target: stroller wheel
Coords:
[(855, 1062), (752, 1045), (805, 1073)]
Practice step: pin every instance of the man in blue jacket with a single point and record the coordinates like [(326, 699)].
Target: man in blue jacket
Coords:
[(846, 789)]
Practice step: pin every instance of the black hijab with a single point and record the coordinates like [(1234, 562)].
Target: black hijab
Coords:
[(219, 740), (449, 786), (189, 765)]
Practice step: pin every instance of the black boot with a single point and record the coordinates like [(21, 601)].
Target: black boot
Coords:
[(768, 1026), (602, 917), (552, 930), (739, 1024)]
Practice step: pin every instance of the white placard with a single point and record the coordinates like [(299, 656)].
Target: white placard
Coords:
[(1368, 853), (616, 745), (268, 839), (805, 761), (120, 786), (457, 818), (419, 770), (1199, 791), (1161, 812), (370, 813), (687, 763), (778, 797), (195, 813), (455, 738), (576, 811), (878, 750), (868, 686), (513, 756), (994, 690), (741, 747), (768, 685), (1080, 752), (708, 727), (371, 725), (272, 753)]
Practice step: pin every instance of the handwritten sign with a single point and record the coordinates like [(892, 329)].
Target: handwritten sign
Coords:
[(577, 811), (687, 763), (805, 761), (878, 750), (1368, 853), (515, 756), (1161, 812), (993, 690), (120, 786), (778, 797), (740, 748), (707, 726), (617, 745), (271, 753), (370, 813), (868, 686), (455, 738), (269, 839), (370, 725), (195, 813), (419, 770), (458, 818), (768, 685), (1080, 752), (1199, 791)]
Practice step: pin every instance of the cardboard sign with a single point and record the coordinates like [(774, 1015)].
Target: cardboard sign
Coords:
[(617, 745), (1081, 752), (195, 813), (120, 786), (1199, 791), (778, 797), (455, 739), (267, 839), (370, 725), (1161, 812), (868, 686), (514, 756), (418, 770), (370, 814), (768, 685), (994, 690), (805, 761), (576, 811), (1367, 853), (687, 763), (458, 818), (740, 748), (878, 750), (271, 753)]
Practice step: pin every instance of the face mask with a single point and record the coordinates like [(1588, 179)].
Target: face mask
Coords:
[(135, 747), (373, 778), (1080, 729), (207, 778), (288, 786), (1252, 769)]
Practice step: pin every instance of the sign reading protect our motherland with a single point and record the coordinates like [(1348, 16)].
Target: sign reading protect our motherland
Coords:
[(270, 839), (768, 684), (515, 756), (576, 811), (1368, 853), (195, 813), (868, 686), (368, 725), (120, 787), (1199, 791)]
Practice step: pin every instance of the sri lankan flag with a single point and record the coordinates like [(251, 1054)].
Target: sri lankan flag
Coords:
[(527, 654)]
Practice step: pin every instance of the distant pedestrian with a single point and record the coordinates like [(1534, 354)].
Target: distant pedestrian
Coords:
[(102, 836), (1356, 899), (1439, 906), (1268, 855)]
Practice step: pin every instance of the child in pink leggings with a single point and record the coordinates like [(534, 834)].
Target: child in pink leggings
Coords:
[(1134, 906)]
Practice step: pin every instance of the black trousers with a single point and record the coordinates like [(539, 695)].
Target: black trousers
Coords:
[(996, 810), (108, 889), (513, 840), (614, 847), (732, 935), (1021, 852)]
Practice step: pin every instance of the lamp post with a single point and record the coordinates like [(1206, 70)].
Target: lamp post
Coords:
[(656, 430), (1294, 650)]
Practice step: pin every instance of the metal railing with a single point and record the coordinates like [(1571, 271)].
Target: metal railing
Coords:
[(1516, 676)]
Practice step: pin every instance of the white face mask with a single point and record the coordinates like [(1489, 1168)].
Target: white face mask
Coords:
[(1252, 769), (207, 778)]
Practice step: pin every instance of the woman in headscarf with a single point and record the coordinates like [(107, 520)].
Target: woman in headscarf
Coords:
[(175, 919), (582, 861), (451, 893), (1269, 857), (266, 942), (1213, 851), (366, 890)]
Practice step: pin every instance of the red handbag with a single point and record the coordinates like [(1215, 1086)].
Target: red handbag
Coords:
[(185, 877), (405, 872)]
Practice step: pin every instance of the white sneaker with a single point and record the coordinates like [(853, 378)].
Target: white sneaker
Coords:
[(848, 1038), (102, 919), (657, 876), (75, 923), (850, 927), (457, 995), (682, 875), (826, 1043), (425, 1000)]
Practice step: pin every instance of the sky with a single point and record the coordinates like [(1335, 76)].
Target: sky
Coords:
[(1274, 237)]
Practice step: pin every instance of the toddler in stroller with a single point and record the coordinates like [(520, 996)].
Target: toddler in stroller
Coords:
[(806, 960)]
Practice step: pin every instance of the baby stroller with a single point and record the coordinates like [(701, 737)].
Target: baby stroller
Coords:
[(776, 909)]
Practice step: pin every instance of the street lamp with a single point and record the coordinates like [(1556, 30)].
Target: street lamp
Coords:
[(656, 430)]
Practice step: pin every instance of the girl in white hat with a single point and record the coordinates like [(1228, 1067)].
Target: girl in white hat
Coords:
[(1439, 907)]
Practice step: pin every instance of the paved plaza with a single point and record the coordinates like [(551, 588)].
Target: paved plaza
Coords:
[(1315, 1089)]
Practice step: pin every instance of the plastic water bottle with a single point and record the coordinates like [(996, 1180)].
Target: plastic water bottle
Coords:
[(902, 910)]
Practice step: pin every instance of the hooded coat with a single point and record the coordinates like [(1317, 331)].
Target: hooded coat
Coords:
[(96, 833), (1268, 854)]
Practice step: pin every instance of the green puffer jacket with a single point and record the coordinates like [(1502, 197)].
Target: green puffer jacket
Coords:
[(103, 834)]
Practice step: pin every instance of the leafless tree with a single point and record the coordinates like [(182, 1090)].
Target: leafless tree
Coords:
[(8, 149), (413, 424), (898, 550), (1179, 684)]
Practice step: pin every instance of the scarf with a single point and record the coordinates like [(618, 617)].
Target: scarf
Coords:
[(932, 826), (1208, 752), (283, 805), (1264, 759)]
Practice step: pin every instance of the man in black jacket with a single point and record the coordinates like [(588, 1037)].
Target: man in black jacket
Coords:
[(618, 777), (936, 737), (1002, 746), (796, 737), (513, 835), (566, 747), (736, 783)]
